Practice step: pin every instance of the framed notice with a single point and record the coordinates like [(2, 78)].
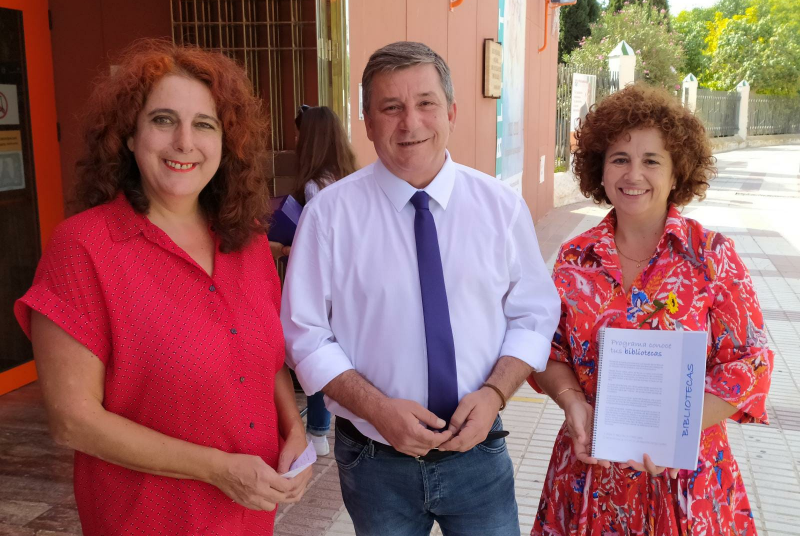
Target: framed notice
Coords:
[(12, 172), (492, 69), (9, 107)]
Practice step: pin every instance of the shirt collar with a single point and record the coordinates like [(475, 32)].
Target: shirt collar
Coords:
[(123, 222), (675, 228), (399, 191)]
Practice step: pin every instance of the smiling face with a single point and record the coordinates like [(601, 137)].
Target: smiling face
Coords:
[(637, 174), (178, 139), (409, 122)]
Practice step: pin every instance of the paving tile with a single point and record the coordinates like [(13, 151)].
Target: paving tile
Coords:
[(14, 530), (58, 519), (21, 512)]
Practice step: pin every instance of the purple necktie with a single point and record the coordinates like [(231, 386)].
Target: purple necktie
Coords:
[(442, 374)]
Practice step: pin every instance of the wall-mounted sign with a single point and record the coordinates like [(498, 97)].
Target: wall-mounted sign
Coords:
[(9, 109), (584, 89), (492, 69), (12, 173)]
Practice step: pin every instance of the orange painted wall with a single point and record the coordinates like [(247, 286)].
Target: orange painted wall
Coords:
[(458, 37), (85, 35), (45, 142), (540, 102)]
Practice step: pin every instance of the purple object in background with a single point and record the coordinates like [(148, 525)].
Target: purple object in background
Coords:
[(285, 216)]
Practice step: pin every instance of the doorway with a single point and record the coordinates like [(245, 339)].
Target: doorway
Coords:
[(294, 52), (29, 206)]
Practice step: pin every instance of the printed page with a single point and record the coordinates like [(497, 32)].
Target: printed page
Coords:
[(644, 403)]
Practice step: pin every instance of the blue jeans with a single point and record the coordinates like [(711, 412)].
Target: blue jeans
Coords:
[(318, 419), (391, 494)]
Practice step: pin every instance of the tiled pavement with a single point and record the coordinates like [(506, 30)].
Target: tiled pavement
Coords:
[(755, 201)]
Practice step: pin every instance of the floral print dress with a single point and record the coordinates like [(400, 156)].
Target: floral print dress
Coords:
[(695, 281)]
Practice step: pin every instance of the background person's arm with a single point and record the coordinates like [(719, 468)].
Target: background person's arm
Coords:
[(72, 382)]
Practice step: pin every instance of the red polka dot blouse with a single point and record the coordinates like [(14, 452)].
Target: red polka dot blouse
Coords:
[(188, 355)]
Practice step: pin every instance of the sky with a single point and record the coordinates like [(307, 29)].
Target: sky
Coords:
[(676, 6)]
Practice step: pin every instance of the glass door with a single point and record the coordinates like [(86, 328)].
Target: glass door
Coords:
[(333, 58), (19, 218), (31, 199)]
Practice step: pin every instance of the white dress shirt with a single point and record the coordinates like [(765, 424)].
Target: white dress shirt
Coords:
[(351, 298)]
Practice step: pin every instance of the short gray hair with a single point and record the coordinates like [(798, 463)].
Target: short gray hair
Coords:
[(402, 55)]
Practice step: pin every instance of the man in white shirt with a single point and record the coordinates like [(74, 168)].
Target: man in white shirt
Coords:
[(417, 300)]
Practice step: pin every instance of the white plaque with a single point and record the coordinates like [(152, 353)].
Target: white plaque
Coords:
[(9, 107), (541, 169)]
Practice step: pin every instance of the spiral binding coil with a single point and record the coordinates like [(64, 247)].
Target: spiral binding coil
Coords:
[(600, 341)]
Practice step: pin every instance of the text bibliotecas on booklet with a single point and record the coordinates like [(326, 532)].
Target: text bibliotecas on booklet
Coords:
[(650, 396)]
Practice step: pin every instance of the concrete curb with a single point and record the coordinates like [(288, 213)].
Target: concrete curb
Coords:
[(723, 145), (565, 187)]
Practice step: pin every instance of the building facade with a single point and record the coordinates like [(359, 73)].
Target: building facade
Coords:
[(296, 52)]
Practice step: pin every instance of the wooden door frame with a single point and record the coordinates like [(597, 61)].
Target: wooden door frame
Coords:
[(46, 150)]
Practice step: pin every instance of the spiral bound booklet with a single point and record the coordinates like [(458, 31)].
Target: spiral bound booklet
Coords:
[(650, 396)]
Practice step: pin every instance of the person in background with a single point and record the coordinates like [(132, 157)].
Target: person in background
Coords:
[(154, 311), (324, 156), (645, 266)]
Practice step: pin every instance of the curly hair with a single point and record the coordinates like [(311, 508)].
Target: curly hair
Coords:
[(236, 200), (635, 107)]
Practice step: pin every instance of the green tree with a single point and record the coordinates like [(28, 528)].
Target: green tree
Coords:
[(643, 26), (618, 5), (783, 12), (755, 47), (574, 24), (693, 29), (729, 8)]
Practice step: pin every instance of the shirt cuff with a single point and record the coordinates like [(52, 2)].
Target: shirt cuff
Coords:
[(528, 346), (318, 369)]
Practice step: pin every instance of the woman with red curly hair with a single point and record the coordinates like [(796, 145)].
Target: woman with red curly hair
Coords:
[(647, 267), (154, 311)]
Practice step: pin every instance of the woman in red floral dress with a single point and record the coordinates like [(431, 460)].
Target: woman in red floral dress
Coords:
[(647, 267)]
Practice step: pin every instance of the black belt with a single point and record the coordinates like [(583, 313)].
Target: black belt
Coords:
[(433, 455)]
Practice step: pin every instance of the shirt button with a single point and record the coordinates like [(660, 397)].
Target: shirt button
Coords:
[(233, 330), (212, 288), (241, 380), (252, 425)]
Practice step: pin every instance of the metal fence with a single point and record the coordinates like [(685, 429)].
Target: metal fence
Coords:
[(607, 83), (772, 114), (274, 40), (719, 111)]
